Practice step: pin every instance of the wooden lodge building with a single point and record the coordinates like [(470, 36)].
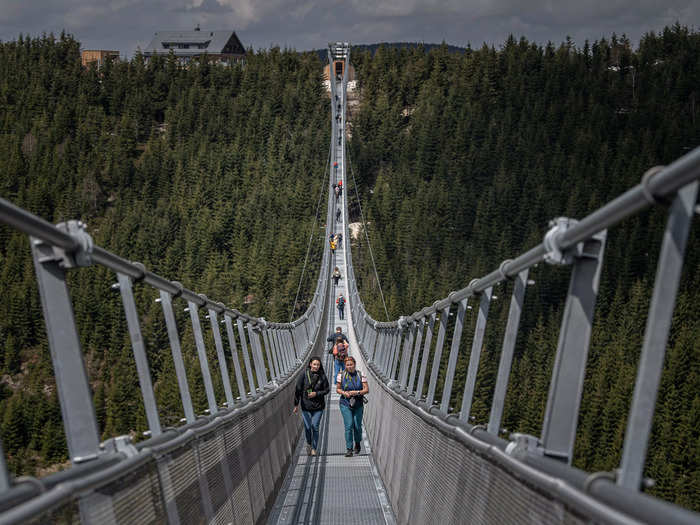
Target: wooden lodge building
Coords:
[(97, 56), (221, 46)]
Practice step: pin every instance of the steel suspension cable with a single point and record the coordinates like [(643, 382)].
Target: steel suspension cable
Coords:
[(326, 172), (364, 227)]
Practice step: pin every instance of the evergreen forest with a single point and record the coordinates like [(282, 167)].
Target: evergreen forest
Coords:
[(460, 162), (208, 175)]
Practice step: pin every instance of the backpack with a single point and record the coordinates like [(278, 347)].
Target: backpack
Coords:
[(340, 352), (341, 302)]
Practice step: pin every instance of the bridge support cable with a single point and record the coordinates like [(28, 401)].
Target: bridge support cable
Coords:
[(479, 461), (326, 174), (369, 245)]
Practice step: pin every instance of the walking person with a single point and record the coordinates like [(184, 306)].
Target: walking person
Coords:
[(336, 276), (340, 303), (337, 214), (333, 246), (334, 336), (352, 386), (340, 352), (311, 389)]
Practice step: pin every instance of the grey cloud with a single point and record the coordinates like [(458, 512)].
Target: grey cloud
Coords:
[(310, 24)]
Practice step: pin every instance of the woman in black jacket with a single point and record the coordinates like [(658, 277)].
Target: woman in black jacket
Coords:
[(311, 389)]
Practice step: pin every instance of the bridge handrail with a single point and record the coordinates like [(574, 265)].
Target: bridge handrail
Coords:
[(34, 226), (393, 348), (276, 349)]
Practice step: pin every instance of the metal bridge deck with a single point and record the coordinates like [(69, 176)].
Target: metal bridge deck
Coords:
[(330, 488)]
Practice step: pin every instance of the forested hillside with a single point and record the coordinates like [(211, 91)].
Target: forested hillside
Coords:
[(462, 159), (209, 175)]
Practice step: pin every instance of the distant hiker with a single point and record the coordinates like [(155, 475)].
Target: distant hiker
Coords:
[(333, 246), (340, 184), (338, 238), (336, 189), (352, 386), (340, 302), (340, 353), (337, 214), (339, 140), (336, 98), (336, 276), (335, 335), (311, 389)]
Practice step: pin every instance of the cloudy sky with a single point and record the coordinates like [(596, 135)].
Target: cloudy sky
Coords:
[(309, 24)]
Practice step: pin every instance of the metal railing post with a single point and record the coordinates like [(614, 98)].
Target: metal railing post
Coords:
[(426, 355), (658, 324), (276, 371), (435, 370), (290, 342), (509, 338), (407, 354), (176, 351), (281, 357), (137, 346), (246, 357), (268, 352), (561, 414), (283, 349), (307, 336), (72, 383), (257, 357), (242, 392), (396, 347), (223, 367), (475, 355), (454, 353), (4, 474), (374, 337), (202, 355), (420, 325)]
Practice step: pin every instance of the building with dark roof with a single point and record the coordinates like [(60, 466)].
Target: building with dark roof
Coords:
[(222, 46)]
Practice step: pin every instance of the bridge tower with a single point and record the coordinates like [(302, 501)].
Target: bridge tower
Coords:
[(336, 64)]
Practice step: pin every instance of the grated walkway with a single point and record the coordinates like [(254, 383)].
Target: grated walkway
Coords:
[(330, 488)]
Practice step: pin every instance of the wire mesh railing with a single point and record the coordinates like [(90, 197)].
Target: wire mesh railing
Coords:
[(411, 416), (225, 464)]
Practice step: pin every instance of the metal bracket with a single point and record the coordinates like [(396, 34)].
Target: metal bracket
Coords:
[(648, 195), (554, 254), (402, 323), (522, 444), (121, 444), (82, 256)]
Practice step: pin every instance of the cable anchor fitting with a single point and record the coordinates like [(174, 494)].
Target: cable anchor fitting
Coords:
[(555, 255), (82, 256)]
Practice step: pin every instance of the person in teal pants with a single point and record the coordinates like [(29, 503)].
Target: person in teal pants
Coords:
[(351, 384)]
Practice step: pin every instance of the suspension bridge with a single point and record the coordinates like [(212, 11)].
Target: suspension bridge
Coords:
[(422, 460)]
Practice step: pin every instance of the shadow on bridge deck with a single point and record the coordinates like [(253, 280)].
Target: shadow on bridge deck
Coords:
[(330, 488)]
